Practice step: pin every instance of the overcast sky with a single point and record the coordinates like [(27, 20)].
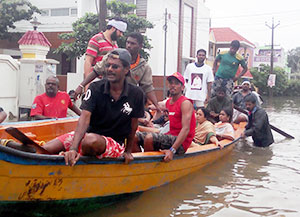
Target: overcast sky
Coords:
[(248, 18)]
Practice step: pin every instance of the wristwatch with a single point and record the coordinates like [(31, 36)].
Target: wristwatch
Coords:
[(173, 150)]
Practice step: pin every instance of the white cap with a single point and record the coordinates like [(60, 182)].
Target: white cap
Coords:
[(120, 25), (246, 82)]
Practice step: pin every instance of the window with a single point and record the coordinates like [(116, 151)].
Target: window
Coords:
[(45, 12), (73, 12), (60, 12)]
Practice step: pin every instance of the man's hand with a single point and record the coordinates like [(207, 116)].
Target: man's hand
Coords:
[(213, 114), (220, 145), (128, 157), (78, 92), (206, 100), (243, 135), (71, 157), (168, 155)]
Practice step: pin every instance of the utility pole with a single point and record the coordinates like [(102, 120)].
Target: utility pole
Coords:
[(102, 13), (272, 50), (165, 52)]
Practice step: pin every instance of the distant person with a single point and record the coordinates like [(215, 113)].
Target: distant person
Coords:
[(217, 103), (205, 132), (224, 128), (53, 103), (182, 123), (199, 78), (229, 63), (3, 115), (258, 125), (239, 101), (110, 111), (103, 42)]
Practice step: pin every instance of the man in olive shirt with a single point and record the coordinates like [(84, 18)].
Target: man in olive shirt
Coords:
[(229, 63)]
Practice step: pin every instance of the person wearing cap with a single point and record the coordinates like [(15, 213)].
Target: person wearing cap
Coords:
[(182, 123), (229, 63), (239, 101), (140, 71), (103, 42), (110, 111), (199, 79)]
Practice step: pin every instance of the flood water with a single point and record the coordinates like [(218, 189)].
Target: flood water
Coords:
[(250, 181)]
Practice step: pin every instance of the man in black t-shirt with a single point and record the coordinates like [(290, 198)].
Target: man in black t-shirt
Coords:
[(110, 111)]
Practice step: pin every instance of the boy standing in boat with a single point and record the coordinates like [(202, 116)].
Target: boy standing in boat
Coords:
[(182, 123), (110, 111), (258, 125)]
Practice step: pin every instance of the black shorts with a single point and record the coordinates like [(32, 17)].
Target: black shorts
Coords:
[(160, 141)]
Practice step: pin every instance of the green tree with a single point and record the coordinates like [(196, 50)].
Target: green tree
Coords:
[(87, 26), (294, 60), (12, 11), (260, 78)]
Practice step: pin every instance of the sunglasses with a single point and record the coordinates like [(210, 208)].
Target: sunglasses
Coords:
[(114, 66)]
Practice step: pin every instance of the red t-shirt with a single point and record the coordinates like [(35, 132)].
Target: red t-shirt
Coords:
[(175, 117), (98, 46), (55, 107)]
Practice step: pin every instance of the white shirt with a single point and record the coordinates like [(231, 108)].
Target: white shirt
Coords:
[(198, 77)]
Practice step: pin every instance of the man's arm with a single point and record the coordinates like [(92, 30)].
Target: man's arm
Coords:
[(209, 85), (127, 154), (187, 112), (72, 156), (3, 116), (88, 65), (245, 68), (80, 89), (257, 124), (75, 109), (152, 97), (215, 66), (41, 117)]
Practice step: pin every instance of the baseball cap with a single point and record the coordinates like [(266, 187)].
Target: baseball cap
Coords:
[(246, 82), (178, 76), (120, 25), (122, 54)]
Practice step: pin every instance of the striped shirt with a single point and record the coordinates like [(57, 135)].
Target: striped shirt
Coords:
[(98, 46)]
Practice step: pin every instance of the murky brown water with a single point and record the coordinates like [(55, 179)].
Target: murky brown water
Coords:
[(249, 181)]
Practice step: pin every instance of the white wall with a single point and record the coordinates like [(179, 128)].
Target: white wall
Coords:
[(9, 69), (155, 14), (202, 38)]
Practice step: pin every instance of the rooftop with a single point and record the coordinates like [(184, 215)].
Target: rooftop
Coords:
[(226, 35), (34, 38)]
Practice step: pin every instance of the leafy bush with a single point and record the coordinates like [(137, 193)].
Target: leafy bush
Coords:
[(260, 79)]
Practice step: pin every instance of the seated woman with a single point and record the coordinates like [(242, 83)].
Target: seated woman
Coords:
[(224, 128), (205, 130)]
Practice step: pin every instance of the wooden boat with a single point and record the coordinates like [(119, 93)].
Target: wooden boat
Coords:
[(43, 184)]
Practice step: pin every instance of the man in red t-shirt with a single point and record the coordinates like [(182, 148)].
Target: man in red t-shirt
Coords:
[(182, 123), (53, 103), (103, 42)]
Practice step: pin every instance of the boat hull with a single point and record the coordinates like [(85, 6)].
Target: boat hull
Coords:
[(27, 178)]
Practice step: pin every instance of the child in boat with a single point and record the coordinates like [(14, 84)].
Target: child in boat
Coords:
[(205, 131), (224, 128)]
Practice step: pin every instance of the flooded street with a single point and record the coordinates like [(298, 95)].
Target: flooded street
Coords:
[(250, 181)]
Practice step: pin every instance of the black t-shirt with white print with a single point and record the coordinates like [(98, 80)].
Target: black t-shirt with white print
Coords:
[(109, 117)]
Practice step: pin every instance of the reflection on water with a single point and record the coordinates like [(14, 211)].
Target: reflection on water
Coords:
[(250, 181)]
